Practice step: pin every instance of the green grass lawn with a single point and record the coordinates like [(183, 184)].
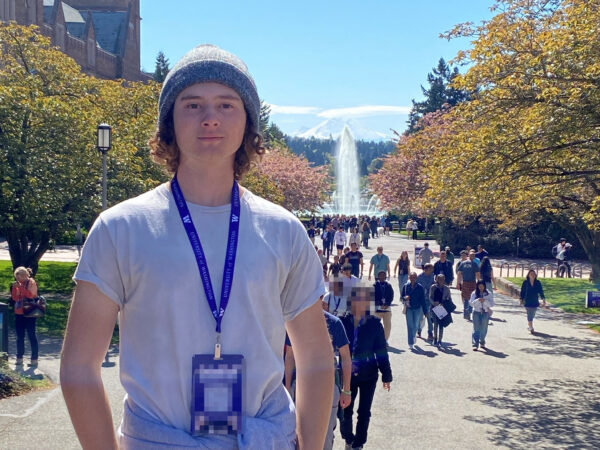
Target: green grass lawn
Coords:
[(420, 234), (568, 294), (55, 284), (51, 278)]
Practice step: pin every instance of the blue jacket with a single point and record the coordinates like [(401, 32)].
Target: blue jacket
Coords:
[(531, 294), (417, 296)]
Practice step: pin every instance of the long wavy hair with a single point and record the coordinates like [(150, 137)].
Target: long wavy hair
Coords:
[(165, 151)]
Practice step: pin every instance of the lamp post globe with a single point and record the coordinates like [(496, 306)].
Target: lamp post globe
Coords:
[(103, 145)]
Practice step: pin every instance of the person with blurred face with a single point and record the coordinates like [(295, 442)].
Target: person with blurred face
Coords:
[(369, 356)]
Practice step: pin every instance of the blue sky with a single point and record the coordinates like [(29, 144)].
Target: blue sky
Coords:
[(315, 60)]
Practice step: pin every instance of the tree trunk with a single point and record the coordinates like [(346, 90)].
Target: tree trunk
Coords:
[(25, 252), (590, 241)]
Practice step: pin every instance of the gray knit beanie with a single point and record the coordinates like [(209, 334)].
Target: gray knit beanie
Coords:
[(207, 63)]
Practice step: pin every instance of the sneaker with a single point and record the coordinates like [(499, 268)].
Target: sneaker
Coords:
[(430, 337), (475, 348), (348, 447), (410, 346), (33, 363), (19, 362), (419, 333)]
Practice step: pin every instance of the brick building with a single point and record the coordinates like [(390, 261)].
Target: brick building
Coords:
[(103, 36)]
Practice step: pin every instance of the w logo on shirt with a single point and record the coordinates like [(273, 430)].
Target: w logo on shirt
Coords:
[(187, 219), (235, 218)]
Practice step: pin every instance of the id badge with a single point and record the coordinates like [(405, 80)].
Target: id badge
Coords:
[(217, 394)]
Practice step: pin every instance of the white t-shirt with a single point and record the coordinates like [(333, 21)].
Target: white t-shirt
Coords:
[(339, 238), (139, 255), (338, 305)]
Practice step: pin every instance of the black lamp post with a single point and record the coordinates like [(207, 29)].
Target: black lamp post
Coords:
[(103, 145)]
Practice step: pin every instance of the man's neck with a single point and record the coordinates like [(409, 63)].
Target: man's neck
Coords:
[(207, 186)]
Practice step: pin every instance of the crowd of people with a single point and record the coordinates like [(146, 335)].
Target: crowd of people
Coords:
[(426, 302)]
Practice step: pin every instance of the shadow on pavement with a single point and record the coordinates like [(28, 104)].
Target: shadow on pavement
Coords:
[(395, 350), (546, 344), (549, 413), (448, 350), (495, 354), (419, 351)]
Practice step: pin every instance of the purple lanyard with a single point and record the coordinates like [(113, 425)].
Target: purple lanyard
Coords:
[(232, 241)]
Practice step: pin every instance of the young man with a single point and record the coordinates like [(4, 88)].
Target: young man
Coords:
[(336, 300), (341, 388), (340, 240), (384, 296), (355, 258), (426, 255), (380, 262), (467, 275), (156, 261), (444, 266)]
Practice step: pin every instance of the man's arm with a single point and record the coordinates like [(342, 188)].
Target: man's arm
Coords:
[(314, 375), (389, 273), (89, 329), (370, 269), (346, 375), (362, 265)]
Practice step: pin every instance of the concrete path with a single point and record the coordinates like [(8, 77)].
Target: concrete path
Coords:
[(527, 391)]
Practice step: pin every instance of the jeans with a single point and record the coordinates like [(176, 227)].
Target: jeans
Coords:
[(367, 391), (467, 309), (490, 288), (402, 280), (480, 327), (332, 419), (413, 318), (530, 313), (429, 324), (23, 324)]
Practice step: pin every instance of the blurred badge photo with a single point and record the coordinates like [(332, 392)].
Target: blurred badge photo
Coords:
[(217, 394)]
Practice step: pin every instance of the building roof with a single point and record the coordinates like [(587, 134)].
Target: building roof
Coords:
[(110, 27)]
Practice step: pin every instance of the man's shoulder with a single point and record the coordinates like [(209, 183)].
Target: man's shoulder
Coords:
[(270, 213), (155, 201)]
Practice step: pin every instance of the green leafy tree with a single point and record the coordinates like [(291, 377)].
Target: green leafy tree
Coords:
[(161, 68), (439, 93), (46, 143)]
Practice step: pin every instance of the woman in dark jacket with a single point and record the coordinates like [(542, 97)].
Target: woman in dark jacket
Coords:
[(531, 292), (369, 354)]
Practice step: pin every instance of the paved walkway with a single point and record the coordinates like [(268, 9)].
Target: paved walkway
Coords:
[(527, 391)]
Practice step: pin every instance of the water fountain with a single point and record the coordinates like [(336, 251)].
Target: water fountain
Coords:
[(347, 198)]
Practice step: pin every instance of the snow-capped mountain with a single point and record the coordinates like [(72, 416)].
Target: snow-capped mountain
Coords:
[(333, 128)]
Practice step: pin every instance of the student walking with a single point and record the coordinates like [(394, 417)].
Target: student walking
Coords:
[(439, 295), (402, 268), (414, 299), (481, 301), (531, 293), (369, 355), (384, 296)]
